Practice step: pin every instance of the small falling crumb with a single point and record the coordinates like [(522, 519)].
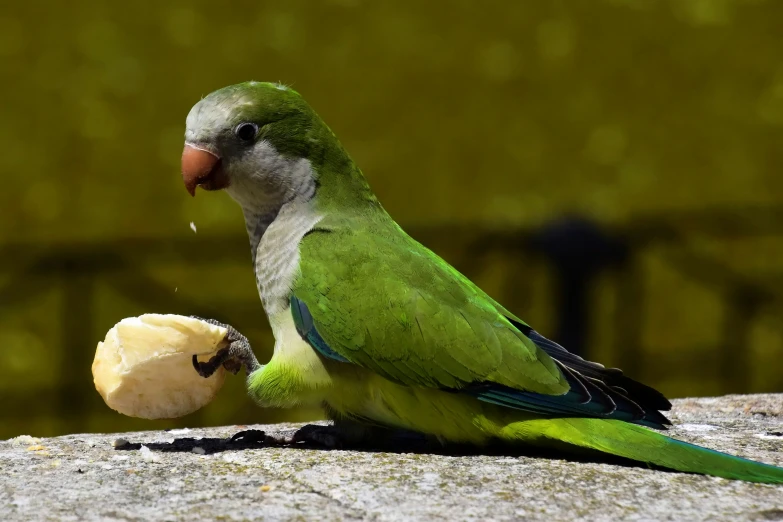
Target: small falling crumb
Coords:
[(265, 488), (198, 450), (37, 447), (118, 443), (148, 455), (193, 227), (175, 289)]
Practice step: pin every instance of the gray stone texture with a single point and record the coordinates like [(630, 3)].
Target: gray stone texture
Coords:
[(200, 475)]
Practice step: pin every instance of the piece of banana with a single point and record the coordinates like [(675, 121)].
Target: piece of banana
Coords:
[(144, 366)]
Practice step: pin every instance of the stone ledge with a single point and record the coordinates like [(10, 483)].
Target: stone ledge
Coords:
[(83, 477)]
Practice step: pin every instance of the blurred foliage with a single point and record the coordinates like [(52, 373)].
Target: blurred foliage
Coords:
[(492, 114)]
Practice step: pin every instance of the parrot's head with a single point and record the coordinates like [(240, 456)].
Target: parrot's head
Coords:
[(254, 139)]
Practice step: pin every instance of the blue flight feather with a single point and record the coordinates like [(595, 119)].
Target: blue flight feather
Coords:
[(306, 328)]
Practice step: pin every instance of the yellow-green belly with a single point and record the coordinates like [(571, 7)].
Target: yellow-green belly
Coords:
[(358, 393), (298, 376)]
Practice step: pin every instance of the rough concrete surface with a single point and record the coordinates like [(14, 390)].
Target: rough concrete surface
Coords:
[(200, 474)]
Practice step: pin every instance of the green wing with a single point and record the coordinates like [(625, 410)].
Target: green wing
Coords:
[(379, 299), (390, 305)]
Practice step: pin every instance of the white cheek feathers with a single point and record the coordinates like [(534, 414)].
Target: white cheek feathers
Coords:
[(265, 179)]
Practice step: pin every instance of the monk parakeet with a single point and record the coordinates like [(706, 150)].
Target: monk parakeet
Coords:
[(379, 330)]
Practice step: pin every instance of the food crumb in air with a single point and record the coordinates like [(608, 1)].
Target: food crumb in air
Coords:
[(265, 488), (193, 227)]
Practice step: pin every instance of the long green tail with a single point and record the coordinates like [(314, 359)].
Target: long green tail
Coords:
[(642, 444)]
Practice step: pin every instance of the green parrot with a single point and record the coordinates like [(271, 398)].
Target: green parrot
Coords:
[(380, 331)]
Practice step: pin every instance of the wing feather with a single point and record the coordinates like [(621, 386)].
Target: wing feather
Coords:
[(396, 308)]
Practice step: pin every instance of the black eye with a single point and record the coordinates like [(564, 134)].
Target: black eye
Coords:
[(246, 131)]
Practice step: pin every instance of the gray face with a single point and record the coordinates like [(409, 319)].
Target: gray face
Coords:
[(246, 126)]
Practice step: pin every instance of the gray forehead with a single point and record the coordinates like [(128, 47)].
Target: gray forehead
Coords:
[(211, 115)]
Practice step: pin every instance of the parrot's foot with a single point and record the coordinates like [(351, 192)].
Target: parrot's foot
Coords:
[(233, 357), (345, 433), (329, 437)]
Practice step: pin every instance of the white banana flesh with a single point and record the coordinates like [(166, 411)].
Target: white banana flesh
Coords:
[(144, 366)]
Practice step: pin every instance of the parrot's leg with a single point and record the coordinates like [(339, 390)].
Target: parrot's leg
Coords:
[(233, 357)]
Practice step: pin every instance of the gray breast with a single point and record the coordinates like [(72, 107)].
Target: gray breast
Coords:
[(276, 252)]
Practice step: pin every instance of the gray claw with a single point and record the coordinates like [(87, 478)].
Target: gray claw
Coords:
[(238, 353)]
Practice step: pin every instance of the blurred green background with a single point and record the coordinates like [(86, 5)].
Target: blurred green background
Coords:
[(477, 123)]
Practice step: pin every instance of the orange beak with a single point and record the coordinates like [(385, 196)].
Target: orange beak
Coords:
[(201, 168)]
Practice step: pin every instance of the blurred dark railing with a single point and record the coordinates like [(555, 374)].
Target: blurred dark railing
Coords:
[(575, 250)]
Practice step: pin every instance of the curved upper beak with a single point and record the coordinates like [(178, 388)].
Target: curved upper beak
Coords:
[(199, 167)]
